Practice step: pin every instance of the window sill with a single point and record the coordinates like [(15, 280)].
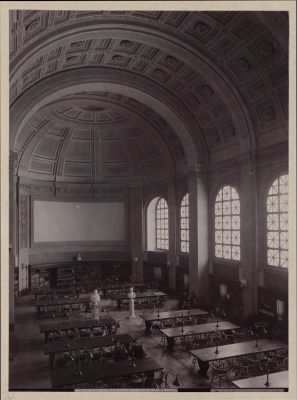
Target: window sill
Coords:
[(157, 251), (225, 261), (271, 268)]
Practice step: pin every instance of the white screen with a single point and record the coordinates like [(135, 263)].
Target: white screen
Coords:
[(78, 221)]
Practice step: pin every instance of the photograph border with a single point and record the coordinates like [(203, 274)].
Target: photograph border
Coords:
[(289, 6)]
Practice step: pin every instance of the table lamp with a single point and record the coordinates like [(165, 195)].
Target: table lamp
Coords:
[(78, 371), (217, 345), (158, 310), (67, 339), (176, 382), (267, 383), (132, 362)]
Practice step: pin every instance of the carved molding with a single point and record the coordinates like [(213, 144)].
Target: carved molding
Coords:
[(246, 60), (23, 221)]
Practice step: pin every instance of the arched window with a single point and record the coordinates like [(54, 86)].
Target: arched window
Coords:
[(184, 224), (227, 224), (277, 223), (162, 241)]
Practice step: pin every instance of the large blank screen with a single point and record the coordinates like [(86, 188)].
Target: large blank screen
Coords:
[(69, 221)]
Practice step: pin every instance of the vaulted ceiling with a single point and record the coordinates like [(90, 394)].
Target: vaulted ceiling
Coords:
[(97, 136), (103, 95)]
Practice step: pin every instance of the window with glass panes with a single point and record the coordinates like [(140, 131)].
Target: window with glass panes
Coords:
[(227, 224), (184, 224), (277, 223), (162, 225)]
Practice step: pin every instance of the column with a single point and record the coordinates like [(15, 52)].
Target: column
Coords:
[(249, 234), (173, 212), (198, 234), (136, 231), (12, 234)]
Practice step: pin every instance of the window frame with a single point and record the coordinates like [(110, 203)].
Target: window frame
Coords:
[(156, 226), (269, 186), (180, 227), (217, 259)]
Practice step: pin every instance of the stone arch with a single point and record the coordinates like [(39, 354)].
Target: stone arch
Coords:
[(169, 43), (100, 79)]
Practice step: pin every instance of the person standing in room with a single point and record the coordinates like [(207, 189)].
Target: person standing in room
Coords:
[(95, 303)]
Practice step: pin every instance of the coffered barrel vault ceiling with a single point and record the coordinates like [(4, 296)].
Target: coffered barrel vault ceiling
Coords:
[(226, 71), (97, 136)]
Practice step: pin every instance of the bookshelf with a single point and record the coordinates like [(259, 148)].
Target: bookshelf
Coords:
[(16, 282), (65, 278), (39, 279)]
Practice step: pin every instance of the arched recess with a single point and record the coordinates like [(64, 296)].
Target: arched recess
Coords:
[(195, 58), (151, 224), (138, 122), (100, 79)]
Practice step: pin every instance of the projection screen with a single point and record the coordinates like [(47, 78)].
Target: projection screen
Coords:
[(78, 221)]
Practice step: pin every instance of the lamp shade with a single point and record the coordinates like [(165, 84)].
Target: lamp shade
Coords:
[(280, 309), (176, 381), (223, 290)]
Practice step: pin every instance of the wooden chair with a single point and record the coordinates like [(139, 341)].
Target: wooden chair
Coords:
[(188, 320), (62, 360), (194, 362), (228, 337), (246, 366), (100, 385), (200, 320), (167, 323), (188, 341), (214, 338), (220, 372), (161, 381), (113, 329), (70, 333), (270, 362), (282, 358), (196, 342), (98, 331), (156, 326), (163, 339), (85, 332), (178, 321), (136, 381)]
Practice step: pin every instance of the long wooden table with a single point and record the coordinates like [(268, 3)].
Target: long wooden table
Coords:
[(69, 377), (87, 343), (206, 355), (109, 290), (148, 294), (61, 303), (277, 380), (189, 330), (54, 326), (168, 315), (47, 292)]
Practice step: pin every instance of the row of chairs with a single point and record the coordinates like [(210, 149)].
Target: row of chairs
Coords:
[(61, 311), (136, 381), (146, 303), (224, 371), (196, 341), (178, 321), (101, 355), (82, 333)]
